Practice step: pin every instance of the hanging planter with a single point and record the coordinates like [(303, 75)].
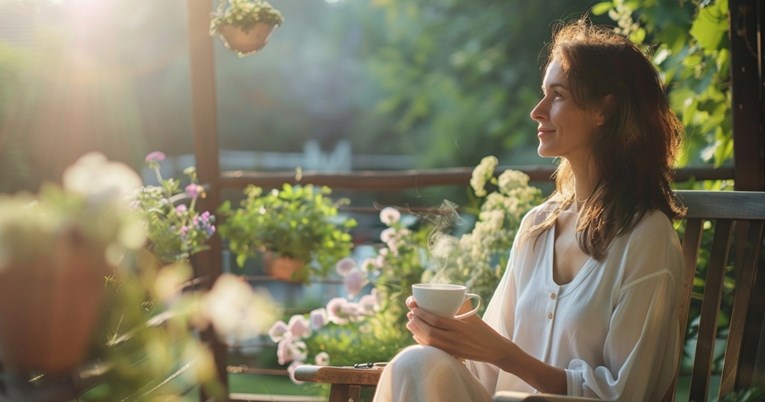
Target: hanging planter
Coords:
[(49, 308), (245, 26), (298, 223), (285, 269)]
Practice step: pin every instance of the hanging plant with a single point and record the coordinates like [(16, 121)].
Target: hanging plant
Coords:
[(245, 26)]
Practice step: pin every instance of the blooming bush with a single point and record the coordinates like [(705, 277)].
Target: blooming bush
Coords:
[(478, 259), (370, 327), (176, 231)]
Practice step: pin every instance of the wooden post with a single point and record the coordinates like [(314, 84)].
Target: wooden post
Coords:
[(208, 264), (746, 23)]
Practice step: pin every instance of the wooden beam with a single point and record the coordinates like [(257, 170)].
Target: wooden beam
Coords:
[(205, 129), (747, 18)]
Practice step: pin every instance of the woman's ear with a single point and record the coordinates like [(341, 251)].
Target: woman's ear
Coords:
[(603, 110)]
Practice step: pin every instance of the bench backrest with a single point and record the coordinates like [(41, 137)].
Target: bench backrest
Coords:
[(736, 219)]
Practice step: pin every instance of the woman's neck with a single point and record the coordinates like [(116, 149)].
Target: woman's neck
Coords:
[(585, 179)]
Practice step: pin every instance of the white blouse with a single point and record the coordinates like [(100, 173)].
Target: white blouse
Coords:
[(613, 328)]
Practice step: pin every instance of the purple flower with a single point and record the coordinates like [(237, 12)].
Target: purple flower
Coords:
[(155, 157), (181, 209), (194, 190), (318, 318)]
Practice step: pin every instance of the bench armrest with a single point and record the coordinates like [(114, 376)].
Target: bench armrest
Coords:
[(338, 375), (512, 396)]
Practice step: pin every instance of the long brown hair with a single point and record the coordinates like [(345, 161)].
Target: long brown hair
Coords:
[(634, 148)]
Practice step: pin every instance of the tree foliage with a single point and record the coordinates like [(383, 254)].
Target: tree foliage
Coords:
[(459, 78), (689, 40)]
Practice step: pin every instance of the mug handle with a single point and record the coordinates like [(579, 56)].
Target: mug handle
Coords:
[(474, 310)]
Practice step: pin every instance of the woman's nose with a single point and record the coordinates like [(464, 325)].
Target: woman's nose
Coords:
[(539, 112)]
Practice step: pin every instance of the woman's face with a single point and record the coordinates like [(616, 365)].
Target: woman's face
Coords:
[(564, 129)]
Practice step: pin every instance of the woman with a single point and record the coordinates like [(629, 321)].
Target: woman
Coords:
[(587, 304)]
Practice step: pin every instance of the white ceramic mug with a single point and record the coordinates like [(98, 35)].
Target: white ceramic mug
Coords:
[(444, 299)]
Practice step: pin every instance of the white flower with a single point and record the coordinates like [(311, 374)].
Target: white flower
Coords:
[(322, 359), (390, 216), (388, 235), (235, 310), (101, 180), (483, 172), (335, 309)]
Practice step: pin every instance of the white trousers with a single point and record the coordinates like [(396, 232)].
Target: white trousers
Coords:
[(426, 374)]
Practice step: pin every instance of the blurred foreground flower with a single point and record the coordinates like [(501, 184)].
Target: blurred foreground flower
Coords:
[(236, 311)]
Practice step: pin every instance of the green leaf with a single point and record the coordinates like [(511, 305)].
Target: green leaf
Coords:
[(711, 26), (602, 8)]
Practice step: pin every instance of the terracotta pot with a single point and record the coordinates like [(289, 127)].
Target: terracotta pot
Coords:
[(285, 268), (49, 309), (246, 42)]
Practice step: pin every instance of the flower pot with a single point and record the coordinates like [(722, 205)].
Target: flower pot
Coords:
[(49, 308), (246, 42), (285, 269)]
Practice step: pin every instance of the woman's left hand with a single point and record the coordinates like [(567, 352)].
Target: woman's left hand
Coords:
[(469, 338)]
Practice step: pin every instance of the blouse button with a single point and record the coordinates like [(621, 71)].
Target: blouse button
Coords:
[(553, 296), (549, 316)]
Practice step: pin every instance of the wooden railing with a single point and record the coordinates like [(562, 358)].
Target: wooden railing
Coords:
[(397, 180)]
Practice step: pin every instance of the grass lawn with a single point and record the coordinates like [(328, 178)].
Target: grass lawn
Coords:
[(271, 385)]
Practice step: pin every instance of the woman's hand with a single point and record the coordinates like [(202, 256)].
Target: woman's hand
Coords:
[(469, 338)]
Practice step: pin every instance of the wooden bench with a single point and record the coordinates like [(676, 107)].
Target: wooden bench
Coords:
[(736, 220)]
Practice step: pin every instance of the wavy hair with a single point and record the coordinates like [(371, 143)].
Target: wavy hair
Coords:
[(635, 147)]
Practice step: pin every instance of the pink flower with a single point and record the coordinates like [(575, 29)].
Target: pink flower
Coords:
[(155, 157), (278, 331), (194, 190), (291, 371), (369, 303), (298, 326), (354, 281), (345, 265), (351, 310), (335, 308), (318, 318), (290, 349)]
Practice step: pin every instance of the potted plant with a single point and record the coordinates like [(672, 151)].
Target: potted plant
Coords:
[(245, 26), (174, 227), (56, 248), (297, 225)]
